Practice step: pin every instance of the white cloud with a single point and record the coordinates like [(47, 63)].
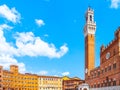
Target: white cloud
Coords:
[(65, 73), (115, 3), (43, 72), (6, 61), (29, 45), (5, 26), (10, 14), (5, 47), (39, 22), (7, 51)]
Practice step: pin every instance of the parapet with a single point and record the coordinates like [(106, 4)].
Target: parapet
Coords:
[(117, 35), (102, 48)]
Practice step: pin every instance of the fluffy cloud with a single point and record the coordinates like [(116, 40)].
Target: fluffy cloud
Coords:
[(7, 51), (65, 73), (43, 72), (6, 61), (9, 14), (5, 47), (26, 45), (29, 45), (39, 22), (115, 3)]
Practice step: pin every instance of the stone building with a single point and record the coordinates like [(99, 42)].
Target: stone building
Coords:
[(108, 73)]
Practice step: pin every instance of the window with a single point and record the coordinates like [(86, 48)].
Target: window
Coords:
[(114, 52), (107, 79), (114, 83), (109, 83), (105, 84), (85, 89), (94, 74), (94, 86), (109, 68), (98, 73), (90, 17), (98, 85), (105, 69), (101, 84), (102, 71), (114, 66)]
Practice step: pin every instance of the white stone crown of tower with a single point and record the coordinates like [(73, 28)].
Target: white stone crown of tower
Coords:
[(90, 26)]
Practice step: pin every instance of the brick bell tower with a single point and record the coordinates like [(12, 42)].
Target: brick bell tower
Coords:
[(89, 33)]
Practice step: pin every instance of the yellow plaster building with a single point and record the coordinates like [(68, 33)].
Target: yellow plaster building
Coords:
[(50, 83), (13, 80)]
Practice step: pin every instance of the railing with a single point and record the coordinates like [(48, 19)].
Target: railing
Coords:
[(107, 88)]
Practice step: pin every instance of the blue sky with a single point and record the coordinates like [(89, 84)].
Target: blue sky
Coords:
[(46, 36)]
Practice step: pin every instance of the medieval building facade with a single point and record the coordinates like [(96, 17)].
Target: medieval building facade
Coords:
[(108, 73)]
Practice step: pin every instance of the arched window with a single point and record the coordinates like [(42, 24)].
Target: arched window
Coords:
[(90, 17), (85, 89)]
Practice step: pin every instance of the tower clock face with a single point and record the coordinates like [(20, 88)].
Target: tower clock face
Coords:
[(108, 55)]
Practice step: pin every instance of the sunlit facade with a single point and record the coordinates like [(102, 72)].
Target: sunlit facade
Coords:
[(71, 83), (50, 83), (13, 80), (108, 73)]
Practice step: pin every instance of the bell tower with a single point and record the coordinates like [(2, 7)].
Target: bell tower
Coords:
[(89, 33)]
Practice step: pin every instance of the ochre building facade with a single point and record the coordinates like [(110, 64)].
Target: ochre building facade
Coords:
[(108, 73), (13, 80)]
